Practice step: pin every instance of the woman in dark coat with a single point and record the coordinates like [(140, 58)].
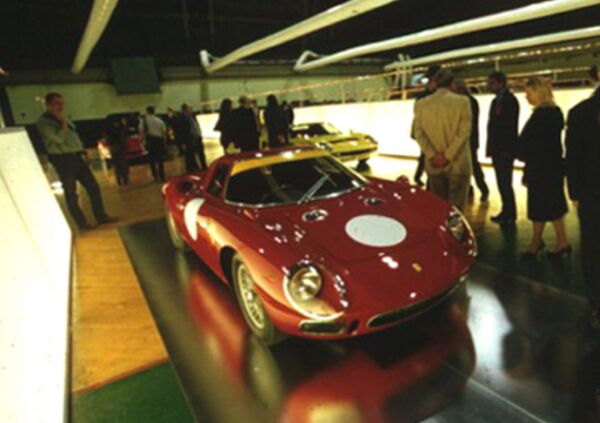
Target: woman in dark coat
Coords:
[(540, 147), (276, 122), (116, 135), (225, 124)]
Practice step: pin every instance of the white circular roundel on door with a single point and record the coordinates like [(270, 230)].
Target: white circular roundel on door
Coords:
[(190, 216), (375, 230)]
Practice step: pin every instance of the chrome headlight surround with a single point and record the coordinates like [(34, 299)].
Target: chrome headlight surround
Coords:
[(371, 140), (302, 287), (458, 226)]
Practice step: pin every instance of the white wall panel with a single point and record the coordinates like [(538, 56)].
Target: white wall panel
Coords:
[(390, 122), (35, 257), (96, 100)]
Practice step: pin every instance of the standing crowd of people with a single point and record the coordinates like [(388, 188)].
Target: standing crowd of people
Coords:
[(445, 127), (241, 128), (447, 130)]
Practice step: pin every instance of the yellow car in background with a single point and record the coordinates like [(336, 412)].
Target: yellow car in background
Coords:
[(344, 147)]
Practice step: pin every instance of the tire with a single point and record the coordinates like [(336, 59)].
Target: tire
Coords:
[(362, 165), (174, 233), (251, 305)]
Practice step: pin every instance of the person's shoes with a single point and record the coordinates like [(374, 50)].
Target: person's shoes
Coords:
[(595, 319), (508, 222), (503, 220), (471, 192), (419, 182), (107, 219), (85, 227), (484, 197), (498, 219), (530, 255), (558, 254)]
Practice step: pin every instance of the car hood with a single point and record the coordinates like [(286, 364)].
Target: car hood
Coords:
[(382, 269), (365, 223)]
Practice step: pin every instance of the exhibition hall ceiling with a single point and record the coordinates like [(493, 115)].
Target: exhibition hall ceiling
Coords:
[(45, 34)]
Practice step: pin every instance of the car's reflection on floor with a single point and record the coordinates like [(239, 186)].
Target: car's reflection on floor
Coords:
[(368, 379), (536, 360)]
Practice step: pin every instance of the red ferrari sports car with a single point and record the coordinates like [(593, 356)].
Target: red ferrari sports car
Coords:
[(314, 249)]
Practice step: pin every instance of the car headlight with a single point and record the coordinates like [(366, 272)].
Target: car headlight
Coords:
[(460, 230), (325, 146), (456, 226), (302, 288), (305, 284), (370, 139)]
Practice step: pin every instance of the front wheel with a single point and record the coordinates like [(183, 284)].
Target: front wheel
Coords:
[(251, 305), (174, 233)]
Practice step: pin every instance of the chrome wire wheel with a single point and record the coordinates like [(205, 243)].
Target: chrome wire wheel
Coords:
[(251, 304), (249, 298)]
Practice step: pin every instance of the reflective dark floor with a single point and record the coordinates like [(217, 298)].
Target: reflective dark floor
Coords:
[(503, 349)]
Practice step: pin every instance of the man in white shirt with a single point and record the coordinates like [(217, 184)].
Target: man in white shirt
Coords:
[(153, 131), (442, 129)]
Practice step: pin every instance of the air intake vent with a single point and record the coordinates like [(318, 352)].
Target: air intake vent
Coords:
[(315, 215), (373, 201)]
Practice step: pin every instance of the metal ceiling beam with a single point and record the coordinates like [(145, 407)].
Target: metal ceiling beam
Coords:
[(557, 37), (534, 11), (329, 17), (99, 16)]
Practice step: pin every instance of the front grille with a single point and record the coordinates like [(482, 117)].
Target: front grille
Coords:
[(355, 153), (340, 140), (323, 328), (410, 311)]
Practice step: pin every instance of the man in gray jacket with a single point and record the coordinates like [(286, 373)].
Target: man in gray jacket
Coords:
[(442, 129), (66, 153)]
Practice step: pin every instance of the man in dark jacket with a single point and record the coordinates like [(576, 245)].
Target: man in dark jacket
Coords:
[(175, 123), (276, 123), (462, 88), (192, 137), (502, 138), (583, 175), (289, 112), (245, 128)]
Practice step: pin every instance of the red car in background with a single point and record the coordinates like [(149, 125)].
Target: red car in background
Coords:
[(135, 149), (312, 248)]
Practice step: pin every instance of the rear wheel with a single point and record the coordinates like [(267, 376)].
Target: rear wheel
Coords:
[(251, 305), (174, 233)]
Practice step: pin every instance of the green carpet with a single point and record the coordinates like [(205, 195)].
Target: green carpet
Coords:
[(151, 396)]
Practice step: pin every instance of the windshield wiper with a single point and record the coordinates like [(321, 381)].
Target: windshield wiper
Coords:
[(314, 189)]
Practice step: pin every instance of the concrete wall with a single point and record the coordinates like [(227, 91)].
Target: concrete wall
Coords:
[(35, 258), (96, 100)]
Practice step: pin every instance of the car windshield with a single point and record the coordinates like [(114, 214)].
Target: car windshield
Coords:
[(314, 130), (292, 182)]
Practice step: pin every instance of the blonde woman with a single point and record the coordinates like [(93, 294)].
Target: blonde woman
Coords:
[(541, 149)]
